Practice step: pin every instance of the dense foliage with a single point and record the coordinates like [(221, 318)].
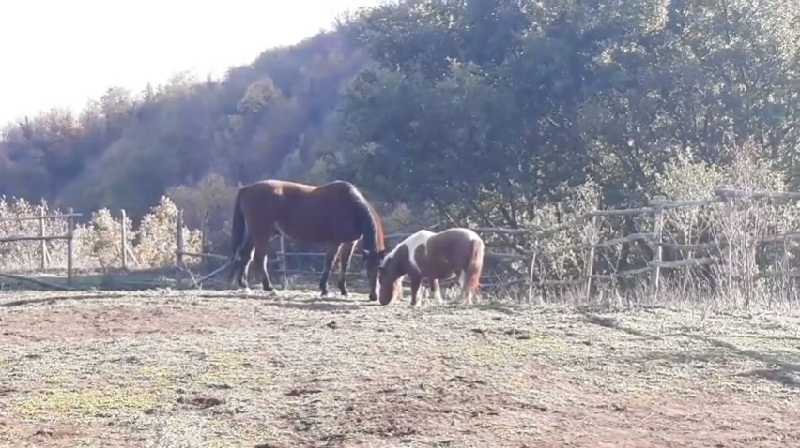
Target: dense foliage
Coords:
[(478, 110)]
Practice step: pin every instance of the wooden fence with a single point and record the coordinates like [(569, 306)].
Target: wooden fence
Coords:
[(43, 239), (282, 256), (531, 257)]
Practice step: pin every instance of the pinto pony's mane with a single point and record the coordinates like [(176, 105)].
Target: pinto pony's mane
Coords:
[(412, 242), (390, 256)]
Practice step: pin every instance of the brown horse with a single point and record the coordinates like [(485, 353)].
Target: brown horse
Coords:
[(435, 256), (335, 214)]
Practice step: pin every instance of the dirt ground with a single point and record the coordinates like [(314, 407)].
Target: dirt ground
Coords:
[(210, 369)]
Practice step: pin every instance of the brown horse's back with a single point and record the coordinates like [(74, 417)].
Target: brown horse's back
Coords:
[(335, 214), (302, 212)]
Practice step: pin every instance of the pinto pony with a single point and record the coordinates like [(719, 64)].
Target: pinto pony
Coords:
[(334, 214), (435, 256)]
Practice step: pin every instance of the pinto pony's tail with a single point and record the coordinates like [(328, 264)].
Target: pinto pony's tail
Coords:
[(475, 266)]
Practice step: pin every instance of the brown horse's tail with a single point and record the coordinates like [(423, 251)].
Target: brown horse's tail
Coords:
[(238, 235), (475, 266), (366, 221)]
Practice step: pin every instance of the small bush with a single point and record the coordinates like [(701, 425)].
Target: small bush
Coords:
[(156, 241)]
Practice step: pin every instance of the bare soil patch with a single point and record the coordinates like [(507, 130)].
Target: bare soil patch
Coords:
[(222, 369)]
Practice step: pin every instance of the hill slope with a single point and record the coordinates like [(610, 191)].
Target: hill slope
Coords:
[(124, 150)]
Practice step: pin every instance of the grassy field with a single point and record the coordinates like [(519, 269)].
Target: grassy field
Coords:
[(211, 369)]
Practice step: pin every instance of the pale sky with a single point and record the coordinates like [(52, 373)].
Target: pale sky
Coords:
[(60, 53)]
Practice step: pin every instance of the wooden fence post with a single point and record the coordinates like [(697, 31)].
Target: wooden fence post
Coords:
[(658, 224), (532, 270), (124, 242), (43, 242), (283, 262), (70, 232), (179, 251), (589, 266)]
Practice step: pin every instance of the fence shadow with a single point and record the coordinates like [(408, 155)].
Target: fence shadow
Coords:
[(779, 375), (705, 357), (315, 306), (720, 351), (60, 298), (751, 354)]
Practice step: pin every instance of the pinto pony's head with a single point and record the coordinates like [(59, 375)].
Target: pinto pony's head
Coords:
[(390, 277)]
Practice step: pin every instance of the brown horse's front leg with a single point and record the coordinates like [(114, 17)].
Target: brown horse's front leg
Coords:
[(416, 282), (345, 254), (330, 259)]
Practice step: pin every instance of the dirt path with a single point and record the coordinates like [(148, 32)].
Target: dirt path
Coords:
[(217, 370)]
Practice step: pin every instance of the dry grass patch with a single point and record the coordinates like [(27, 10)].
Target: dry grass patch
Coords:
[(220, 369)]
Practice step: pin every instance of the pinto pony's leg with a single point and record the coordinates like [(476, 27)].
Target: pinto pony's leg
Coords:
[(330, 259), (345, 254), (435, 292), (416, 282)]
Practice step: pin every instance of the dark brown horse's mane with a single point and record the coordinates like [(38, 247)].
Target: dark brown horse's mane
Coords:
[(371, 240)]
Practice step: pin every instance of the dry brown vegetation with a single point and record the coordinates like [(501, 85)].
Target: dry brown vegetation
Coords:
[(215, 369), (97, 241)]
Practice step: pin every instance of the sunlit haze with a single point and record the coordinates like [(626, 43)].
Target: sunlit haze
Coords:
[(58, 53)]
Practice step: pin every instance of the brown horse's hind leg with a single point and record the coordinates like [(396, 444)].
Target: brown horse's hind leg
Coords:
[(345, 254), (261, 259), (416, 282), (242, 263), (330, 259), (243, 268)]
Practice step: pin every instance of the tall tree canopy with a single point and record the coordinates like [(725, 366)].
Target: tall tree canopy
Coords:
[(479, 110), (484, 107)]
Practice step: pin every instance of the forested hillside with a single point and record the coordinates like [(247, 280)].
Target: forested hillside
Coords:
[(479, 110), (127, 148)]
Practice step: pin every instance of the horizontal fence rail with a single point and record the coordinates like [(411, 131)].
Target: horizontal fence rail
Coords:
[(692, 254)]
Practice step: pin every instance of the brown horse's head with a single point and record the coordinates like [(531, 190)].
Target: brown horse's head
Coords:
[(372, 261)]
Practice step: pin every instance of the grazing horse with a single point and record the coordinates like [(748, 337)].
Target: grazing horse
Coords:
[(435, 256), (334, 214)]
